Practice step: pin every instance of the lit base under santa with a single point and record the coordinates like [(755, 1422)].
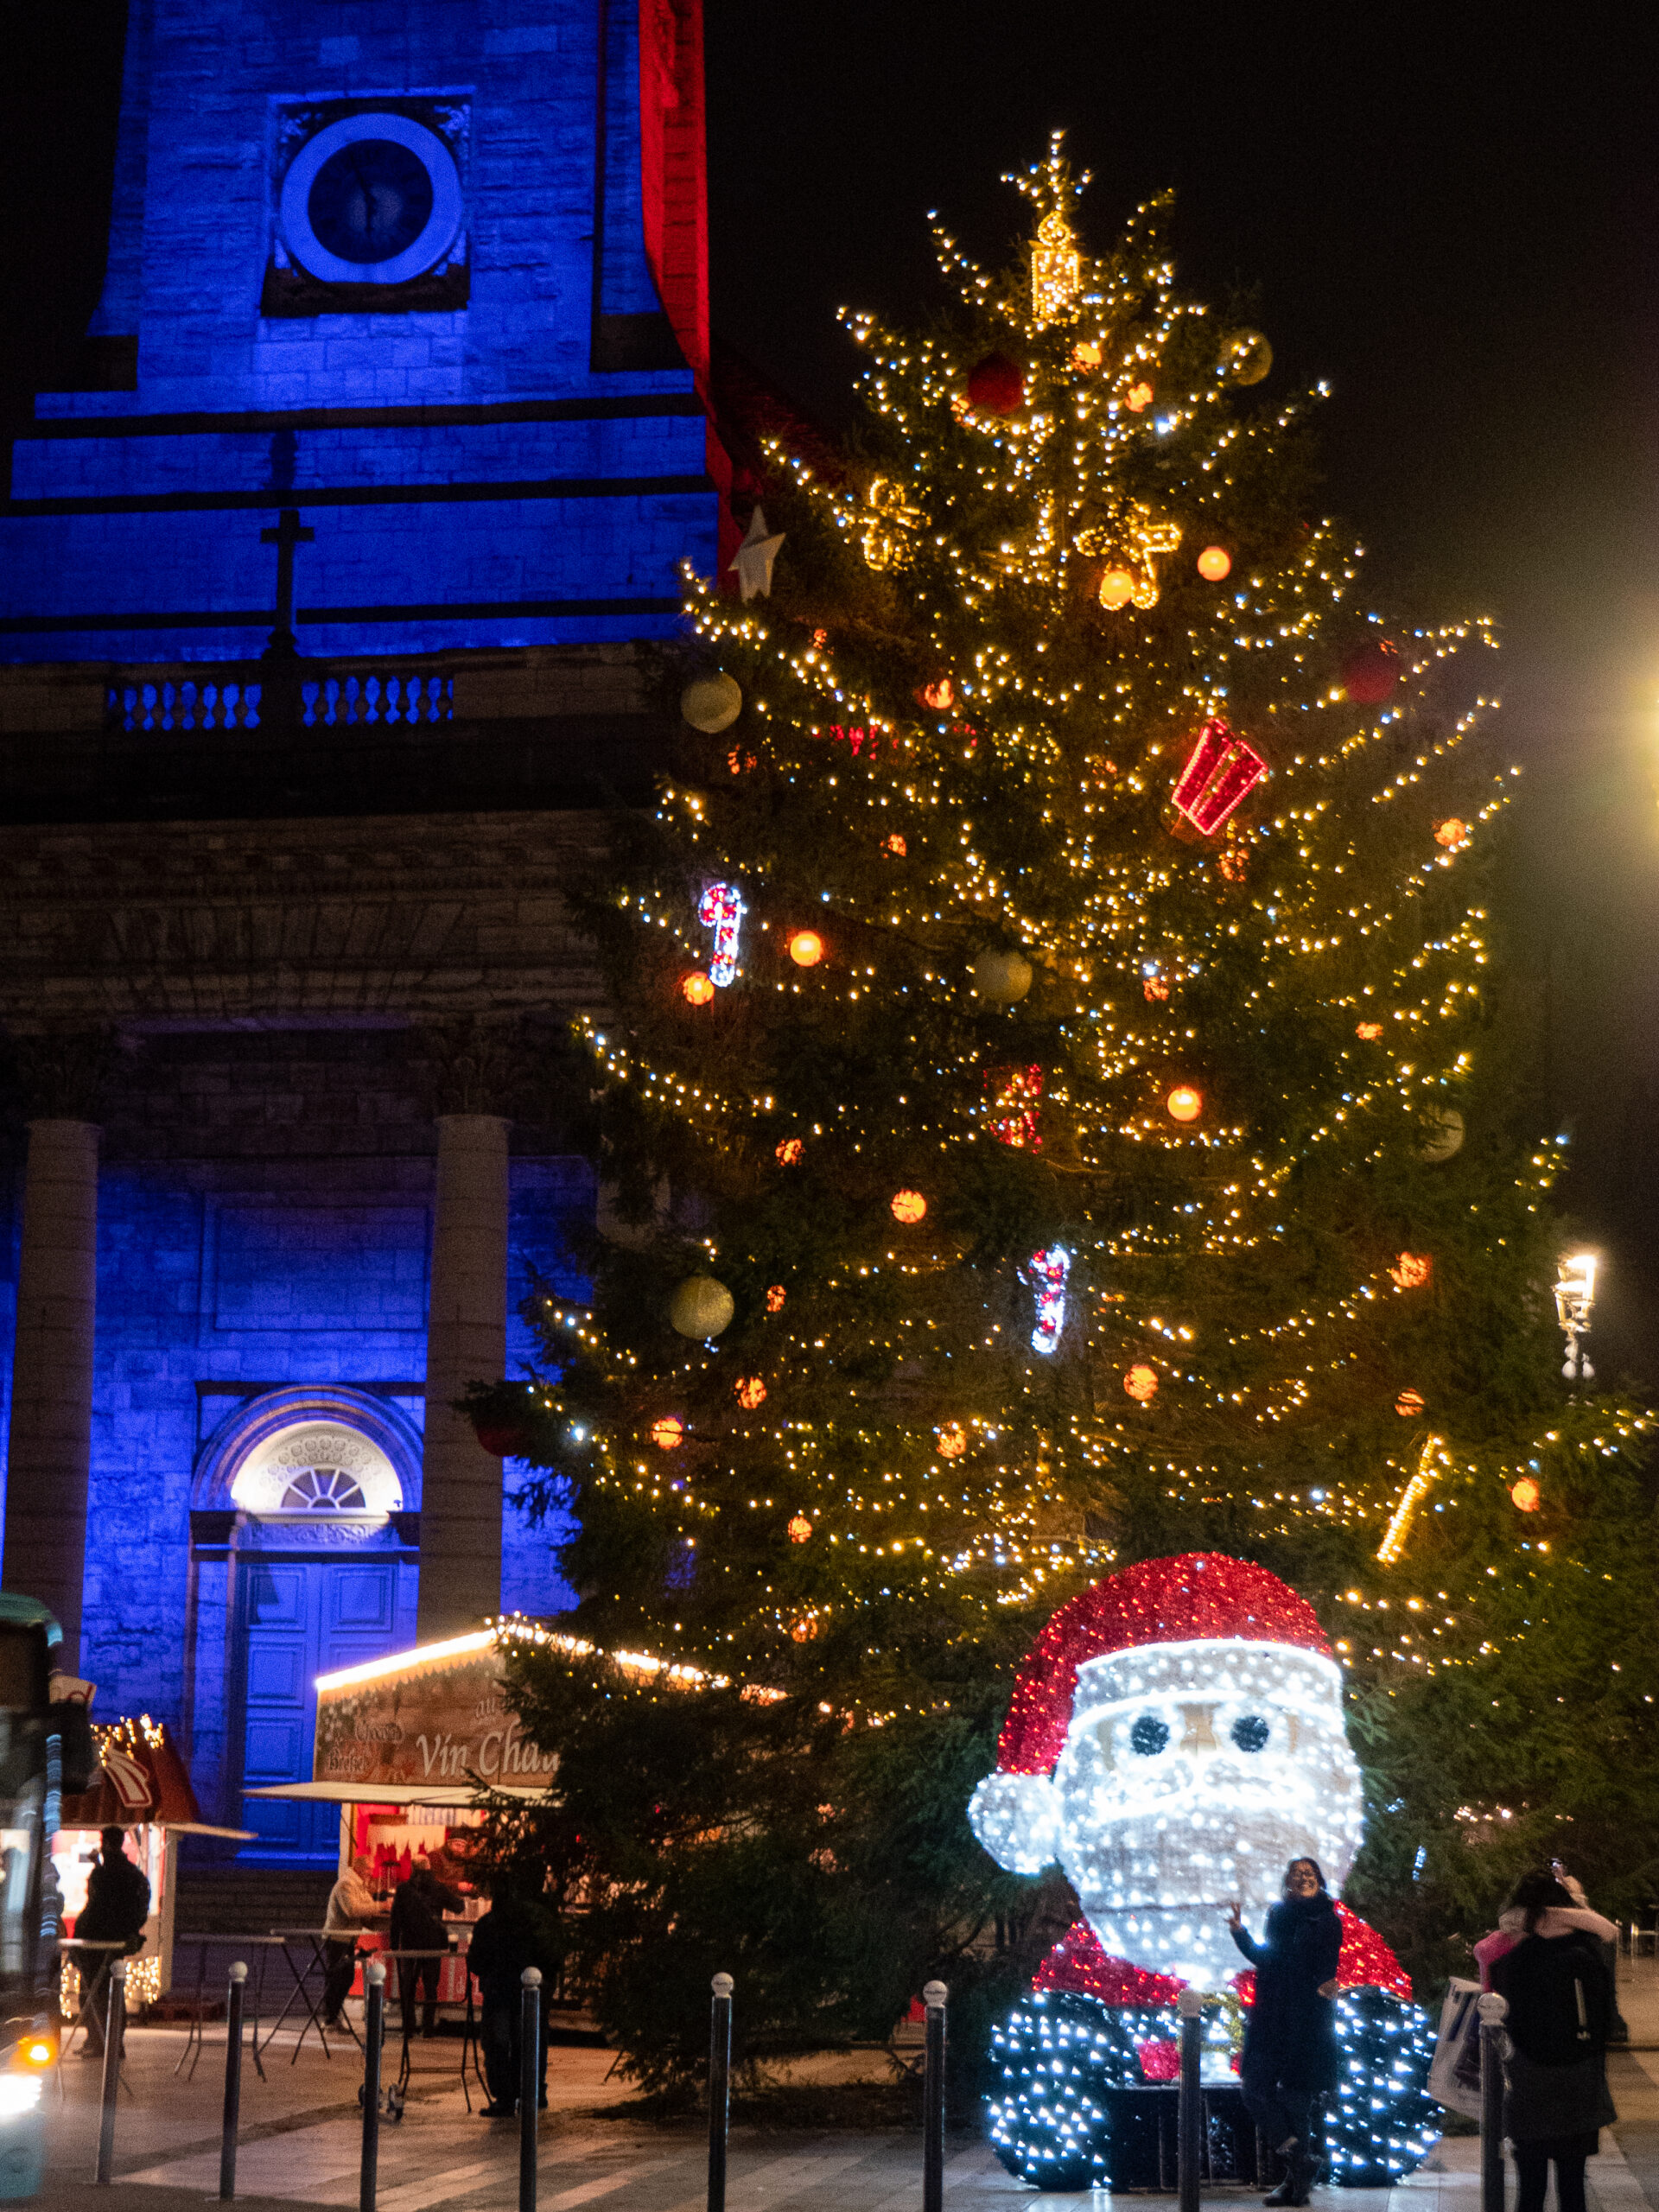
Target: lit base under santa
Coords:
[(1089, 2066)]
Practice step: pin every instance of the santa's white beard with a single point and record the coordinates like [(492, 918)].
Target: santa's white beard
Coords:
[(1156, 1890)]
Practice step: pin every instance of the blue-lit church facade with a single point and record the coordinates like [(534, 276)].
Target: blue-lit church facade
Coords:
[(396, 393)]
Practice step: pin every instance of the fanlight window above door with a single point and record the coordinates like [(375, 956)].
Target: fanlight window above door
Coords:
[(326, 1469), (324, 1489)]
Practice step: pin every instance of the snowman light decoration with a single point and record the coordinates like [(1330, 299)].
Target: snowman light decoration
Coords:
[(1174, 1739)]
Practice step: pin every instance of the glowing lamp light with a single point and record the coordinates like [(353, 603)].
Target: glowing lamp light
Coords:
[(1368, 1032), (1141, 1384), (1452, 833), (789, 1152), (668, 1431), (806, 947), (1116, 588), (1409, 1404), (1526, 1495), (1411, 1270), (697, 989), (38, 2050), (1138, 397), (750, 1392), (800, 1530), (775, 1298), (895, 845), (1221, 771), (1214, 564), (953, 1441), (908, 1207), (1184, 1104), (721, 909)]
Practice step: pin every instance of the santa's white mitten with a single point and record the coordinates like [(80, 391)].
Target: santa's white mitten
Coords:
[(1017, 1818)]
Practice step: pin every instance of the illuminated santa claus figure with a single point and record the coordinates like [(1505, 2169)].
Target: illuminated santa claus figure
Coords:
[(1175, 1737)]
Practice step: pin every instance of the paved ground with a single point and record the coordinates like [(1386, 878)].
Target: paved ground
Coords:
[(301, 2137)]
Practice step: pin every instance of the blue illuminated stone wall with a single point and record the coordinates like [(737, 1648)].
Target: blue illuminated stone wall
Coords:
[(526, 468)]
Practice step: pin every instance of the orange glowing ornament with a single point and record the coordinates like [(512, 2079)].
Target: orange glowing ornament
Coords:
[(1215, 562), (775, 1298), (895, 845), (806, 947), (1526, 1495), (1138, 396), (800, 1530), (939, 695), (1369, 1031), (1451, 833), (1154, 988), (668, 1431), (1408, 1404), (1116, 587), (1411, 1270), (953, 1441), (750, 1392), (789, 1152), (1141, 1384), (1234, 862), (802, 1629), (908, 1207), (1185, 1102), (1086, 353), (698, 988)]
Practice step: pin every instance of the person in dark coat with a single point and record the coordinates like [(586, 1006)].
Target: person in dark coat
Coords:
[(1291, 2063), (515, 1933), (417, 1913), (116, 1907), (1561, 2009)]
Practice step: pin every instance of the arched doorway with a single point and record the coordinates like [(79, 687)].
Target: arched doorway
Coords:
[(322, 1570)]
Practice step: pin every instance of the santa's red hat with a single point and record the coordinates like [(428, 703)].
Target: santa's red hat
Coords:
[(1199, 1597)]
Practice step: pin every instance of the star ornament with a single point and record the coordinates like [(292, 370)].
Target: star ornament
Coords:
[(754, 557)]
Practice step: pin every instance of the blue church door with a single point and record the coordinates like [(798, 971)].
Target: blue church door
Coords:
[(305, 1617)]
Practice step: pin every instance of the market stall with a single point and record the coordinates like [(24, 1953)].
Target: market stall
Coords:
[(142, 1785)]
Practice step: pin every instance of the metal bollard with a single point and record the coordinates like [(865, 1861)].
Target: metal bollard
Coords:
[(374, 2035), (238, 1993), (114, 2030), (1494, 2010), (719, 2088), (1189, 2116), (529, 2082), (933, 1998)]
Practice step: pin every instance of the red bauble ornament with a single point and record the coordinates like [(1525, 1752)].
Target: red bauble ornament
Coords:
[(1368, 677), (996, 384), (501, 1439)]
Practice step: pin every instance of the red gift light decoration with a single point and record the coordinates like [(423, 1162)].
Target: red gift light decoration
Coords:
[(1013, 1095), (1220, 771)]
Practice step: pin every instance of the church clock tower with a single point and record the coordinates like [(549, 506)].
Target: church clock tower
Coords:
[(431, 276)]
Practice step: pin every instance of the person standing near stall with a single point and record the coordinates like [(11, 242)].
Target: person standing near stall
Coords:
[(116, 1907), (351, 1905), (1559, 1995), (515, 1933), (1291, 2063), (417, 1913)]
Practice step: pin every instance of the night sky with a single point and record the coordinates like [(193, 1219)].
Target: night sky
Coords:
[(1450, 213)]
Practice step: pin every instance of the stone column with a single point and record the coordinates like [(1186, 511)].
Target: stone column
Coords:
[(51, 1441), (466, 1342)]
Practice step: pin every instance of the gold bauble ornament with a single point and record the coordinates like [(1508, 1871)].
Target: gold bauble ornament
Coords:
[(1246, 355), (711, 703), (1443, 1133), (701, 1307), (1002, 978)]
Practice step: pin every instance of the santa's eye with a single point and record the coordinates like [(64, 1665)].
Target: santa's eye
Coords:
[(1251, 1733), (1149, 1735)]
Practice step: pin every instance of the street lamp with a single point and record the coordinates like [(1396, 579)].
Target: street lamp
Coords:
[(1575, 1294)]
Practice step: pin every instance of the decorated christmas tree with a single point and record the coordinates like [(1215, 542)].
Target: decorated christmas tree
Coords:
[(1057, 1107)]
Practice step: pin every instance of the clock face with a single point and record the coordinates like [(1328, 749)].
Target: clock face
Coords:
[(374, 199), (370, 201)]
